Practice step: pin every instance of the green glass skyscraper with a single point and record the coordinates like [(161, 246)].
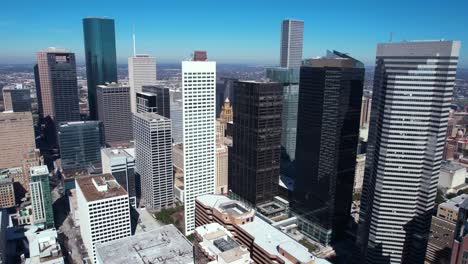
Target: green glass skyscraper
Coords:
[(41, 199), (101, 62)]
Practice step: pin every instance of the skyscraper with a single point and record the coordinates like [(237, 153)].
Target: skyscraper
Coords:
[(153, 153), (330, 93), (17, 99), (41, 199), (162, 103), (141, 71), (101, 62), (365, 110), (80, 144), (199, 133), (413, 86), (291, 43), (114, 112), (255, 155), (56, 69), (16, 137)]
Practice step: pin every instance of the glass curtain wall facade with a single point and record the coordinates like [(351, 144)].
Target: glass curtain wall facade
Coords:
[(100, 53)]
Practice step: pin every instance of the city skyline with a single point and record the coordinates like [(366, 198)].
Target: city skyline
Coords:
[(251, 40)]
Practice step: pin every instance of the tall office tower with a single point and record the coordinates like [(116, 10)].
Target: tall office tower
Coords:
[(153, 154), (413, 86), (104, 211), (199, 133), (162, 103), (41, 199), (256, 140), (80, 144), (221, 169), (328, 127), (121, 164), (226, 114), (16, 137), (365, 110), (460, 242), (177, 121), (17, 99), (289, 78), (141, 71), (114, 112), (145, 102), (101, 62), (291, 43), (56, 69), (37, 83)]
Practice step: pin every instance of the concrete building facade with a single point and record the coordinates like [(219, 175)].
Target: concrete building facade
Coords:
[(141, 71), (17, 137)]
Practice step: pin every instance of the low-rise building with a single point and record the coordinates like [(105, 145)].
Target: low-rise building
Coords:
[(160, 246), (452, 175), (7, 193), (448, 210), (214, 244), (44, 247)]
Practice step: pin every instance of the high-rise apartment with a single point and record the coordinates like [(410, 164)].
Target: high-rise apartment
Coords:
[(199, 133), (255, 156), (162, 102), (104, 211), (56, 69), (41, 199), (80, 144), (16, 137), (121, 164), (141, 71), (114, 112), (292, 31), (101, 62), (153, 154), (330, 93), (413, 87), (17, 99)]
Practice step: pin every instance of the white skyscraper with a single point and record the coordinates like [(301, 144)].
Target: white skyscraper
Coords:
[(141, 71), (199, 128), (104, 211), (413, 88), (153, 154), (291, 43)]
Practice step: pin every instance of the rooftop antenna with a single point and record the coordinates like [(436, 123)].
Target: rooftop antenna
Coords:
[(391, 37), (134, 45)]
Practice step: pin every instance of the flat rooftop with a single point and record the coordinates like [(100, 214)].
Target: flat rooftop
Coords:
[(117, 152), (455, 202), (39, 170), (451, 166), (163, 245), (108, 187)]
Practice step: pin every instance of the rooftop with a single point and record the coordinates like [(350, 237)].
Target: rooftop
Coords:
[(454, 203), (451, 166), (39, 170), (44, 247), (117, 152), (150, 116), (98, 187), (163, 245)]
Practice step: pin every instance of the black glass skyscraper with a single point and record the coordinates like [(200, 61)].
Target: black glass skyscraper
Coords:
[(162, 102), (101, 62), (330, 92), (255, 154)]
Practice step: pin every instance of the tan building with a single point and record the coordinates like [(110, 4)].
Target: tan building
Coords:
[(31, 158), (221, 169), (265, 243), (449, 209), (16, 137), (365, 110), (359, 174), (7, 193), (226, 114)]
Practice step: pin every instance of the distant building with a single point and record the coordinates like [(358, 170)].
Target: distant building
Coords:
[(292, 31), (17, 99), (451, 175), (365, 110), (162, 102), (41, 198), (7, 193), (114, 112), (44, 247), (58, 86), (160, 246), (177, 121), (141, 71), (330, 93), (221, 169), (226, 114), (255, 156), (101, 58), (104, 211), (265, 243), (359, 173), (460, 242), (16, 136), (80, 144), (121, 164), (199, 132), (214, 244), (153, 154)]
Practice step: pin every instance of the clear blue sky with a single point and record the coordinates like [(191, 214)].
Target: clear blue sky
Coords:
[(231, 31)]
